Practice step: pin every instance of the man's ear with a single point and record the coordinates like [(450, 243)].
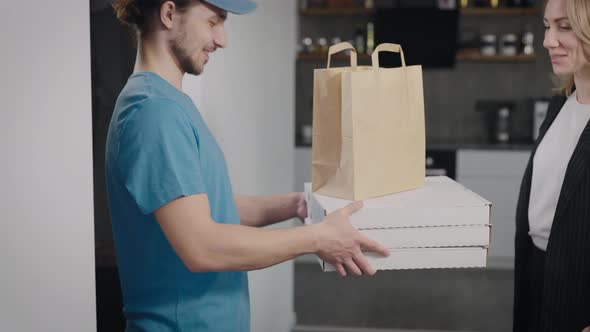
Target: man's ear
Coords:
[(167, 11)]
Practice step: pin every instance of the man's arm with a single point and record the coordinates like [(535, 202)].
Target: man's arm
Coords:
[(204, 245), (259, 211)]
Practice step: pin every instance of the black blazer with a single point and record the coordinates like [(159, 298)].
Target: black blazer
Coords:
[(566, 290)]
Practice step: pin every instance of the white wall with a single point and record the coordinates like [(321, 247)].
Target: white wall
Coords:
[(46, 221), (247, 98)]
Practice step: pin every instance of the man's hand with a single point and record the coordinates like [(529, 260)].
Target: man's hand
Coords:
[(340, 244), (261, 211), (301, 207), (587, 329)]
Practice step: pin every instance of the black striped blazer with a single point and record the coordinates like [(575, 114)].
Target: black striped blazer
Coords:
[(566, 290)]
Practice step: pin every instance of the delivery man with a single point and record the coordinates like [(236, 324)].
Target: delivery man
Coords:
[(183, 239)]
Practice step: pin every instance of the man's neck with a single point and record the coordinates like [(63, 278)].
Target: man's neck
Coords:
[(158, 60)]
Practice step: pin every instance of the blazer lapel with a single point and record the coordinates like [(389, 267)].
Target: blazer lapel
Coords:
[(522, 218), (578, 164)]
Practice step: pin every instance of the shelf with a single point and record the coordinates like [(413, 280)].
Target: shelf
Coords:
[(500, 11), (474, 55), (471, 11), (462, 55), (324, 57), (336, 11)]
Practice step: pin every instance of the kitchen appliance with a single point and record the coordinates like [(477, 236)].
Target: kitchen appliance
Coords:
[(441, 162), (497, 117), (540, 107), (502, 129), (411, 28)]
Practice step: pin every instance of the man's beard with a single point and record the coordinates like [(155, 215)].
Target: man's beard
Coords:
[(183, 56)]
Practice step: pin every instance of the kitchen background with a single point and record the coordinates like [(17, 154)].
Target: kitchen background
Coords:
[(486, 80), (486, 77)]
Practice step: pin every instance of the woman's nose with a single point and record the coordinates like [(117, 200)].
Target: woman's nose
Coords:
[(550, 40)]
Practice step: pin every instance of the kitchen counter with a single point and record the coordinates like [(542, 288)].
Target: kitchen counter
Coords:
[(405, 300), (436, 144), (466, 145)]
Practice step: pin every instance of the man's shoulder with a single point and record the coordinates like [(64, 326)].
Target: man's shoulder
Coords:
[(144, 90), (146, 105), (155, 112), (159, 105)]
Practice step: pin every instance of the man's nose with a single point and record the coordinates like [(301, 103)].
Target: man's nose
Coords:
[(220, 39)]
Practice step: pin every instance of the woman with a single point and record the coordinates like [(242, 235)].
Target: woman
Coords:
[(552, 266)]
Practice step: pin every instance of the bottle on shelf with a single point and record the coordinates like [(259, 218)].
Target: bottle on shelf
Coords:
[(307, 45), (488, 44), (528, 38), (370, 37), (509, 44), (322, 45), (359, 40)]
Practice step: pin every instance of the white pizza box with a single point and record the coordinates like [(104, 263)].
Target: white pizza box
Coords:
[(424, 258), (440, 202)]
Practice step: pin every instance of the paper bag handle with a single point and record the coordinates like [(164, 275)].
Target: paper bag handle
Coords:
[(342, 47), (387, 47)]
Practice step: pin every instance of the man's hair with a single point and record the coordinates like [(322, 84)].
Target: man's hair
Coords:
[(137, 13)]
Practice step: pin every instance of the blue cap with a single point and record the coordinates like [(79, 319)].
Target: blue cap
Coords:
[(234, 6)]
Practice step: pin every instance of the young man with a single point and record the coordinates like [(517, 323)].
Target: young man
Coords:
[(183, 240)]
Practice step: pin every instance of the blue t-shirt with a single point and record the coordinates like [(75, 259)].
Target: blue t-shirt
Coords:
[(159, 149)]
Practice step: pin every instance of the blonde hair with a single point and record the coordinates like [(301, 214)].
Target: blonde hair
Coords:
[(578, 14)]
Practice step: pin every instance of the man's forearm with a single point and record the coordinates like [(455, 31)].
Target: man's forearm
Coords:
[(243, 248), (204, 245), (259, 211)]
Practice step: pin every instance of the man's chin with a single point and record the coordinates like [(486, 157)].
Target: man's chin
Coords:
[(195, 71)]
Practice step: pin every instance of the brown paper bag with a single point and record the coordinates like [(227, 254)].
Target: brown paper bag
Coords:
[(368, 128)]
